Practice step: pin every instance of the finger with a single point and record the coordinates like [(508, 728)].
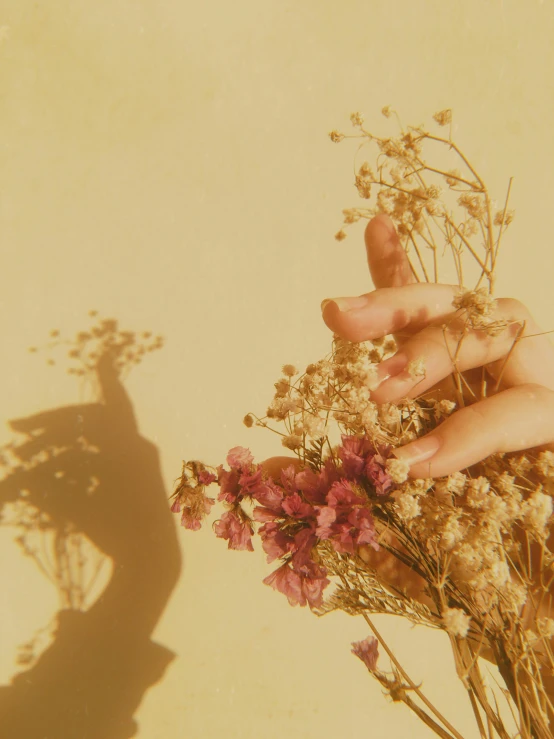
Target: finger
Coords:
[(519, 418), (527, 360), (388, 310), (388, 263)]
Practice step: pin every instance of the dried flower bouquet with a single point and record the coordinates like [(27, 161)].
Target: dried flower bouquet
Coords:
[(349, 524)]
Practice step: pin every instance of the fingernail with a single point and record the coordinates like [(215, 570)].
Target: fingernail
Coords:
[(346, 304), (418, 451)]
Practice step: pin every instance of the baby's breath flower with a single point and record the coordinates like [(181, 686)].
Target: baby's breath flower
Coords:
[(398, 469), (478, 492), (386, 111), (505, 483), (248, 420), (340, 235), (498, 574), (478, 301), (456, 622), (416, 368), (545, 463), (443, 408), (520, 465), (454, 484), (453, 177), (370, 415), (281, 407), (389, 346), (390, 415), (546, 626), (289, 370), (407, 507), (503, 217), (336, 137), (451, 532), (314, 427), (474, 204), (515, 595), (537, 512), (356, 119), (282, 387), (292, 442), (443, 117), (420, 485), (341, 416), (363, 186)]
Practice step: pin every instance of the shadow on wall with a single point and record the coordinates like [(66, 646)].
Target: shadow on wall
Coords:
[(90, 487)]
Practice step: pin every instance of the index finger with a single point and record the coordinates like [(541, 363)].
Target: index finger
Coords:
[(389, 310)]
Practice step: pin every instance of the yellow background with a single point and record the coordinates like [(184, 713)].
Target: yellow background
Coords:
[(167, 164)]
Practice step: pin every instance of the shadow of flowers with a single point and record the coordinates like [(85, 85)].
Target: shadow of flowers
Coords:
[(89, 486)]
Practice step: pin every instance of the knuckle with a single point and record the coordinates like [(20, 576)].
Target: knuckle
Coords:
[(514, 308)]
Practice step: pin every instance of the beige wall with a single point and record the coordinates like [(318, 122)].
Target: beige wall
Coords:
[(167, 164)]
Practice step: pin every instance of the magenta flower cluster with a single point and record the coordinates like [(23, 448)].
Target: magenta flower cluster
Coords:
[(299, 509)]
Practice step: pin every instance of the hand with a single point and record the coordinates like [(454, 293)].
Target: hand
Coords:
[(518, 412)]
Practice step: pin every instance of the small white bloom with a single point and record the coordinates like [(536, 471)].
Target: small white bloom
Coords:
[(456, 622), (407, 507), (416, 368), (398, 469)]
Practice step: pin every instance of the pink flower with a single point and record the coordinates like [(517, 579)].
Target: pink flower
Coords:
[(206, 478), (194, 511), (243, 480), (287, 581), (346, 521), (193, 506), (361, 521), (297, 508), (361, 458), (288, 478), (313, 588), (269, 495), (239, 458), (367, 650), (239, 533), (326, 517), (378, 476), (354, 453), (229, 485), (301, 587), (343, 494), (304, 542), (275, 542), (315, 486)]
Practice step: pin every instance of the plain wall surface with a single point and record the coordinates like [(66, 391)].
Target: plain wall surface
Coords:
[(167, 164)]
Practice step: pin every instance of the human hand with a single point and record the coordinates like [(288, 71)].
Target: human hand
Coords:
[(518, 412)]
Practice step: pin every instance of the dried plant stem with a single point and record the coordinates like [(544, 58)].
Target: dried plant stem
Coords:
[(408, 680), (518, 337), (494, 252)]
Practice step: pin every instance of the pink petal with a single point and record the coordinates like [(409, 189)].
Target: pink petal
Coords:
[(206, 478), (288, 582), (239, 457), (367, 650), (237, 532), (296, 507)]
